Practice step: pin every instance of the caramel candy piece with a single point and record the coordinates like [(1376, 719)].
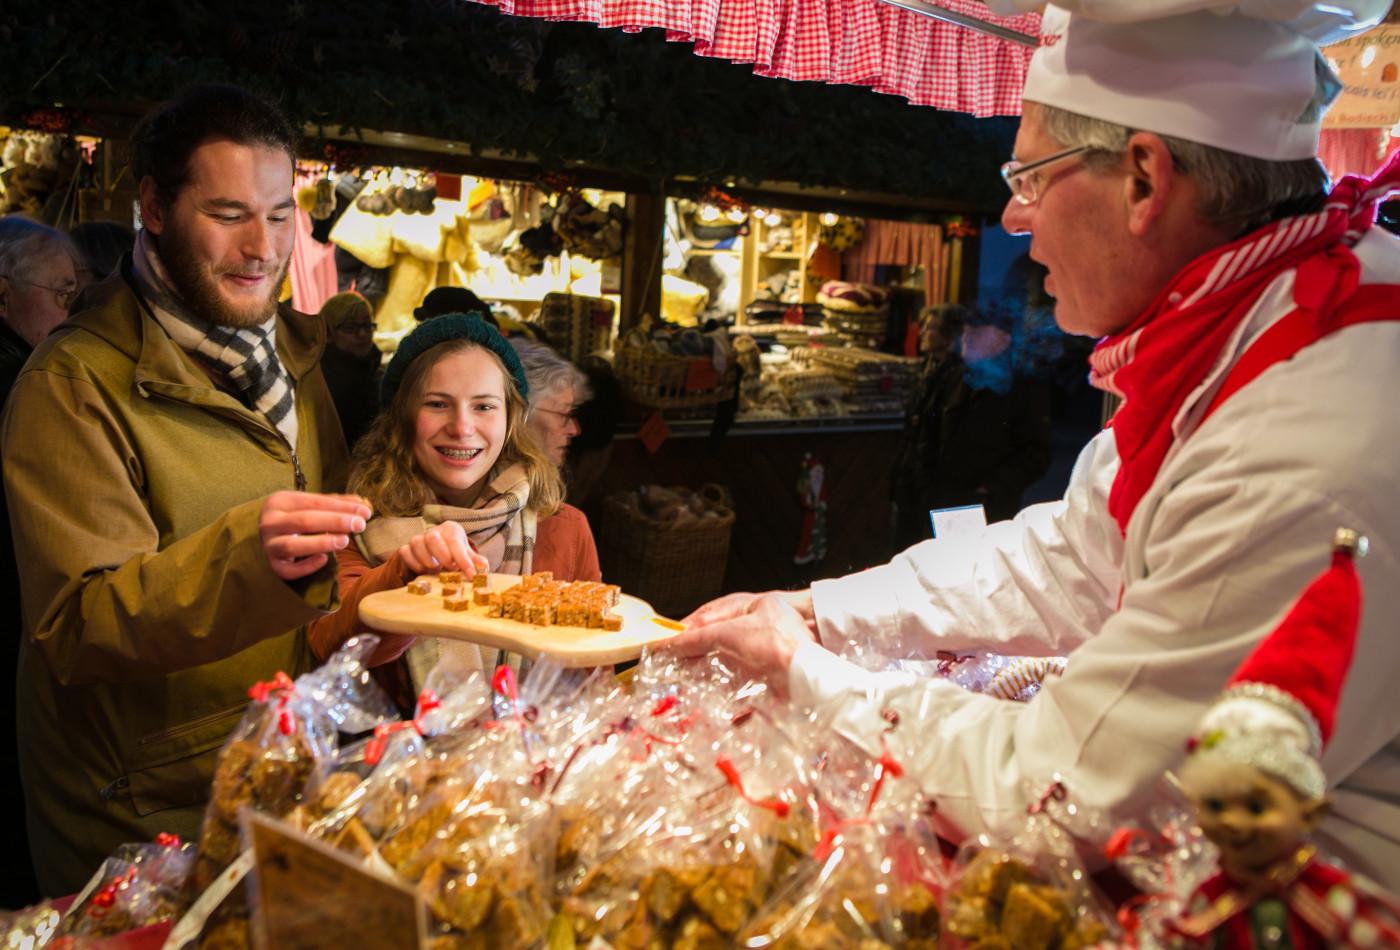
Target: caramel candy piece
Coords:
[(726, 909), (451, 590), (918, 911), (612, 623), (1034, 917), (457, 602), (664, 895), (421, 585), (479, 580), (481, 596), (450, 577)]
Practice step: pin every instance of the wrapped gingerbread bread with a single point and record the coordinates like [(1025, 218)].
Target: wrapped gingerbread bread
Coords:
[(34, 926), (373, 782), (476, 837), (873, 877), (1029, 891), (672, 825), (285, 741), (138, 885)]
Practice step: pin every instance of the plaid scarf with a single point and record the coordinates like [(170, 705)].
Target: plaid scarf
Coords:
[(1167, 353), (247, 356), (499, 524), (500, 527)]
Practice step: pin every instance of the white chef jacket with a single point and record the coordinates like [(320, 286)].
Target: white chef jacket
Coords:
[(1237, 523)]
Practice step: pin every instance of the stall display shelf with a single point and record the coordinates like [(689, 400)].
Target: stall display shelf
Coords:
[(764, 258)]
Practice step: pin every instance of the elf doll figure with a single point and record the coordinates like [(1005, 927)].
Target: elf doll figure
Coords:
[(1255, 776)]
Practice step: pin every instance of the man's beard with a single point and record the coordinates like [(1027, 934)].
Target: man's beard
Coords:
[(200, 292)]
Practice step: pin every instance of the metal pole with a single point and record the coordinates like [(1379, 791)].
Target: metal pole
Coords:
[(924, 8)]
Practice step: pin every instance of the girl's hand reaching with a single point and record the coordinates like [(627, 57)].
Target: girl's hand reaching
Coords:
[(443, 547)]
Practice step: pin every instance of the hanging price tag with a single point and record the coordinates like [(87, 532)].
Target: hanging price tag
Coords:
[(701, 375), (653, 432), (449, 187)]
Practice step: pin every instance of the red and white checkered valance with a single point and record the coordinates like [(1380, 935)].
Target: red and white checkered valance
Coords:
[(857, 42)]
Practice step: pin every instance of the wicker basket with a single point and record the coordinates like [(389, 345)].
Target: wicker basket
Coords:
[(576, 325), (674, 567), (666, 381)]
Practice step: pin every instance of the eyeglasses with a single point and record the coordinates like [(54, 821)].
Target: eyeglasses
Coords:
[(64, 295), (1025, 181), (359, 329), (565, 417)]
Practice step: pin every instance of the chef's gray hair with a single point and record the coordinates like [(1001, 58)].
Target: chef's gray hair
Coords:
[(1234, 187)]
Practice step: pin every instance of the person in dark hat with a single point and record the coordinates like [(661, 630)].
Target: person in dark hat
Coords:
[(442, 300), (351, 362)]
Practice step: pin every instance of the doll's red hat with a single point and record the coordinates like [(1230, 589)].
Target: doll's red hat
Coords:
[(1278, 709)]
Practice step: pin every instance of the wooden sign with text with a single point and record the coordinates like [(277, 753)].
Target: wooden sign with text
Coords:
[(1369, 66), (307, 894)]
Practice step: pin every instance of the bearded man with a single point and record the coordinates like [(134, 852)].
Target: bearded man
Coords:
[(166, 455)]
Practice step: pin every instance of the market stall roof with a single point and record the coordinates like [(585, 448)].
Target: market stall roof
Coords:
[(953, 54), (558, 95)]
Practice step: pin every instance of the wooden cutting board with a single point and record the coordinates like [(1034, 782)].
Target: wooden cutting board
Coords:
[(398, 611)]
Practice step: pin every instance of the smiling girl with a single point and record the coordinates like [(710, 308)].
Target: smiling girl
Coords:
[(455, 478)]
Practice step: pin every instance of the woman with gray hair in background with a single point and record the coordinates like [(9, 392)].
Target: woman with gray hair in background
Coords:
[(557, 387)]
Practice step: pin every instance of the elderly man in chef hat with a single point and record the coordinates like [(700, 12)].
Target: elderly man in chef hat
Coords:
[(1165, 171)]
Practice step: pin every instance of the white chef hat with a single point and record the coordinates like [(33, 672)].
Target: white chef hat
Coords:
[(1245, 77)]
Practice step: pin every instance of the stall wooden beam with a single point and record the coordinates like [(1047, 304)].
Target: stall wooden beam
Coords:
[(641, 260)]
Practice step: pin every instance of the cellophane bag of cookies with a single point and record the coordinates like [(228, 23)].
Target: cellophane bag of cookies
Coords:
[(673, 821), (138, 885), (873, 876), (1166, 857), (284, 743), (35, 926), (287, 737), (474, 837), (374, 782), (1029, 888)]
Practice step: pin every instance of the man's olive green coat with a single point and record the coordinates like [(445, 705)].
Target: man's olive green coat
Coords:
[(135, 486)]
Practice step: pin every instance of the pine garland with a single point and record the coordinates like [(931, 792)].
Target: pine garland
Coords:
[(561, 93)]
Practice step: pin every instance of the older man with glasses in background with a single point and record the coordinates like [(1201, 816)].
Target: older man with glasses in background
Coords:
[(38, 280), (1165, 170)]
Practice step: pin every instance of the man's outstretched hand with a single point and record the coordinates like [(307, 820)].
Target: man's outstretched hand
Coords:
[(757, 633)]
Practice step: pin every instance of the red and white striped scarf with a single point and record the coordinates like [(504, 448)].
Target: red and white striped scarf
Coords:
[(1164, 355)]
